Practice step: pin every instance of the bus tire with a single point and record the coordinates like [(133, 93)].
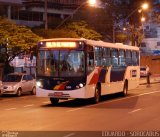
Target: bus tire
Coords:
[(125, 89), (54, 101), (97, 94)]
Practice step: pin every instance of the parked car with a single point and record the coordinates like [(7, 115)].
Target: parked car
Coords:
[(0, 86), (18, 83), (144, 70)]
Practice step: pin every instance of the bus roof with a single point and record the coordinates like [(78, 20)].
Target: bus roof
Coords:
[(64, 39), (111, 45), (95, 43)]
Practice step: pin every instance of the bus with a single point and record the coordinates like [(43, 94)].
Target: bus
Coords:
[(70, 68)]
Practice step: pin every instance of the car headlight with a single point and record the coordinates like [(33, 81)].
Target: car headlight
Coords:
[(10, 87), (14, 86), (39, 84)]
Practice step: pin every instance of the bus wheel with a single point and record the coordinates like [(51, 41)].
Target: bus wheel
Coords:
[(97, 95), (125, 89), (54, 101)]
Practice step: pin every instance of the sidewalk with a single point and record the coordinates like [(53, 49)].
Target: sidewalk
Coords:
[(153, 79)]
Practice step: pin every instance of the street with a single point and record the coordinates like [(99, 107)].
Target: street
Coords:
[(138, 111)]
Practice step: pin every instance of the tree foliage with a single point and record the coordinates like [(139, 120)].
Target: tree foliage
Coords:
[(70, 30), (57, 33), (15, 40), (124, 13), (83, 30)]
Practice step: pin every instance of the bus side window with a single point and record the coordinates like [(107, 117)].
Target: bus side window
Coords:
[(114, 57), (90, 61), (106, 57), (122, 61), (134, 58), (137, 55), (98, 56), (128, 58)]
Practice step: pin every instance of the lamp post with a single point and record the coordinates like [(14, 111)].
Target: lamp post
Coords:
[(90, 2), (143, 19), (45, 14)]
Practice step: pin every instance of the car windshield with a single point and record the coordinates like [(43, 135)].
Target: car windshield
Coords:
[(61, 63), (12, 78)]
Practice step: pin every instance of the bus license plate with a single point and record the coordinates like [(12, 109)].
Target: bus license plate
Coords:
[(55, 94)]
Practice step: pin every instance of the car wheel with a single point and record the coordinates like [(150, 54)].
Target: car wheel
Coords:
[(97, 95), (54, 101), (33, 92), (19, 92)]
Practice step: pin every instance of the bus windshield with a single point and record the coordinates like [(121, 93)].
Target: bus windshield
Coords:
[(61, 63)]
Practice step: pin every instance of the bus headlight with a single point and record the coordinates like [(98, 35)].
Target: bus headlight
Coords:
[(39, 84), (81, 85)]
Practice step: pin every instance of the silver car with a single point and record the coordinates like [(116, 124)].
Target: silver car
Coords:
[(0, 86), (18, 83), (144, 70)]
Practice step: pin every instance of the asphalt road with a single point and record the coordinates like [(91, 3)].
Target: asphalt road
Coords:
[(140, 110)]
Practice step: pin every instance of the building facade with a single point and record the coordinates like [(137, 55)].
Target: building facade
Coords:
[(32, 12), (151, 42)]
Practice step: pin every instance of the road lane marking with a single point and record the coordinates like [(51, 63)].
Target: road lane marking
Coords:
[(5, 100), (134, 111), (28, 105), (46, 102), (23, 97), (148, 93), (10, 109), (119, 99), (115, 100), (69, 135), (75, 109)]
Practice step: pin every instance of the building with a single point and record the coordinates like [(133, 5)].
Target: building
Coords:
[(151, 42), (32, 12)]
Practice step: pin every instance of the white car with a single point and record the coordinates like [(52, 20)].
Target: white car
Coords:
[(18, 83), (144, 70), (0, 86)]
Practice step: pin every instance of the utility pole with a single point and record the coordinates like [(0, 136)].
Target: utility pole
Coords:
[(45, 15), (114, 37)]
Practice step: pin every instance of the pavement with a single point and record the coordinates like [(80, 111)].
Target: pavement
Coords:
[(153, 79)]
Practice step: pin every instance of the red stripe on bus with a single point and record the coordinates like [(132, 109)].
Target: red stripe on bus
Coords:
[(95, 77)]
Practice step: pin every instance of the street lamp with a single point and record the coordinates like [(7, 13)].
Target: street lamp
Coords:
[(144, 6), (143, 19), (92, 2), (89, 2)]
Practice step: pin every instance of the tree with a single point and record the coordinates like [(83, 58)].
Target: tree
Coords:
[(70, 30), (15, 40), (83, 30), (156, 13), (124, 13), (57, 33)]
